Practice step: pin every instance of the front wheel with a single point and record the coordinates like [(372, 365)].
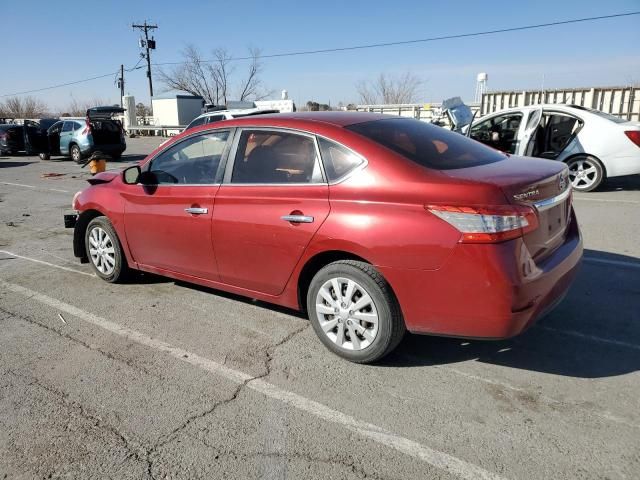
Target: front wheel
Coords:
[(585, 173), (354, 312), (104, 251), (76, 153), (44, 156)]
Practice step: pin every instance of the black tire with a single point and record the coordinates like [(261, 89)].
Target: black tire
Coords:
[(120, 270), (44, 156), (76, 153), (391, 327), (589, 181)]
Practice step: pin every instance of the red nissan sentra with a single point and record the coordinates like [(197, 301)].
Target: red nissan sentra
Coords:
[(372, 224)]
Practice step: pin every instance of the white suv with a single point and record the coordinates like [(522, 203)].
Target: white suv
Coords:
[(219, 115)]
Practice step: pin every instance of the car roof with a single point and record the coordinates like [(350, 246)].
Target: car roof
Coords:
[(338, 119)]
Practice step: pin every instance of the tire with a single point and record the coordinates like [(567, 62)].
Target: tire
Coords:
[(104, 251), (44, 156), (586, 173), (76, 153), (373, 341)]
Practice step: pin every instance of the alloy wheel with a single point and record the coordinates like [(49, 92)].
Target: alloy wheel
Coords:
[(101, 250), (583, 174), (347, 314), (75, 153)]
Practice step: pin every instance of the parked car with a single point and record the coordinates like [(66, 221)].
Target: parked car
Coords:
[(11, 139), (78, 139), (371, 224), (217, 115), (594, 145)]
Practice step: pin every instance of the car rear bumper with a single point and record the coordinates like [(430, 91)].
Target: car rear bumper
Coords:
[(486, 291)]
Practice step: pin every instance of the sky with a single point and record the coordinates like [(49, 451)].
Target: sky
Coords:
[(47, 43)]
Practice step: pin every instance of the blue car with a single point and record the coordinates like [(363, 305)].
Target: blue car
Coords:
[(78, 139)]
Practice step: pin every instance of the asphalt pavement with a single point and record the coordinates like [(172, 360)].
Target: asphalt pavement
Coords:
[(162, 379)]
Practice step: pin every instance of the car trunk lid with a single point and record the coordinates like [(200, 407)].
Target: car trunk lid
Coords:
[(105, 129), (541, 184)]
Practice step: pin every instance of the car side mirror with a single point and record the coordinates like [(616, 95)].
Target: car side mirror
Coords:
[(131, 175)]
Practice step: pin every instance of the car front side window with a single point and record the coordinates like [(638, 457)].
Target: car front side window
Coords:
[(276, 157), (194, 161)]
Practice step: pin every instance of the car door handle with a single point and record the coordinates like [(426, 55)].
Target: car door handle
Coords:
[(196, 210), (297, 218)]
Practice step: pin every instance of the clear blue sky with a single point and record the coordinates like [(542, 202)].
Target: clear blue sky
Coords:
[(46, 43)]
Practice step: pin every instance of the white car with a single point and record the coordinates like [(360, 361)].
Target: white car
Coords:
[(594, 145)]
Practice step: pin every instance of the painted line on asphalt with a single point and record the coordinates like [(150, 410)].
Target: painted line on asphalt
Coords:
[(572, 333), (604, 200), (35, 188), (616, 263), (42, 262), (606, 415), (435, 458)]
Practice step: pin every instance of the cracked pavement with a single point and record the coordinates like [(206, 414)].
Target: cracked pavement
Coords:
[(78, 401)]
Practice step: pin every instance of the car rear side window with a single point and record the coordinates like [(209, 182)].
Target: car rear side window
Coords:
[(427, 145), (196, 122), (338, 160), (67, 127), (194, 161), (276, 157)]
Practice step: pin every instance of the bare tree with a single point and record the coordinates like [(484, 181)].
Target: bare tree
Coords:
[(78, 108), (212, 80), (26, 107), (389, 90)]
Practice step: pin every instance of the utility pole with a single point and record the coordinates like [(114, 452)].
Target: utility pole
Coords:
[(148, 45), (121, 83)]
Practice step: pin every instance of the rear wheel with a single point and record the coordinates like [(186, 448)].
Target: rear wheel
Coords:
[(104, 251), (354, 312), (44, 156), (76, 153), (585, 173)]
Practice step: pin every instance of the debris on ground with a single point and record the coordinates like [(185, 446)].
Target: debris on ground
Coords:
[(62, 318)]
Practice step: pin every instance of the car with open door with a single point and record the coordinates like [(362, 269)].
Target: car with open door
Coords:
[(594, 145), (79, 138), (36, 136), (372, 225)]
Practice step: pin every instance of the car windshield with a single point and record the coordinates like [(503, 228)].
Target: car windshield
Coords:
[(427, 145)]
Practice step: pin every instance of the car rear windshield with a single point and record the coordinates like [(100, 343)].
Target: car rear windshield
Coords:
[(427, 145)]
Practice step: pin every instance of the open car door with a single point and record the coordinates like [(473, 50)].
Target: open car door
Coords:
[(460, 114), (528, 140), (35, 135)]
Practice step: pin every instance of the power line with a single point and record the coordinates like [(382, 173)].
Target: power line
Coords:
[(424, 40), (359, 47), (59, 85)]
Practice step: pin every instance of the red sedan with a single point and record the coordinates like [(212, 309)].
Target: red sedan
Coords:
[(372, 224)]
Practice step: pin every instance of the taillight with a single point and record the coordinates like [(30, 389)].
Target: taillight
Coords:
[(634, 136), (487, 224), (87, 127)]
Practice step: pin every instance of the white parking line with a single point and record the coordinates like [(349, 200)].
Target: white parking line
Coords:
[(435, 458), (35, 260), (35, 188), (604, 200), (617, 263)]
